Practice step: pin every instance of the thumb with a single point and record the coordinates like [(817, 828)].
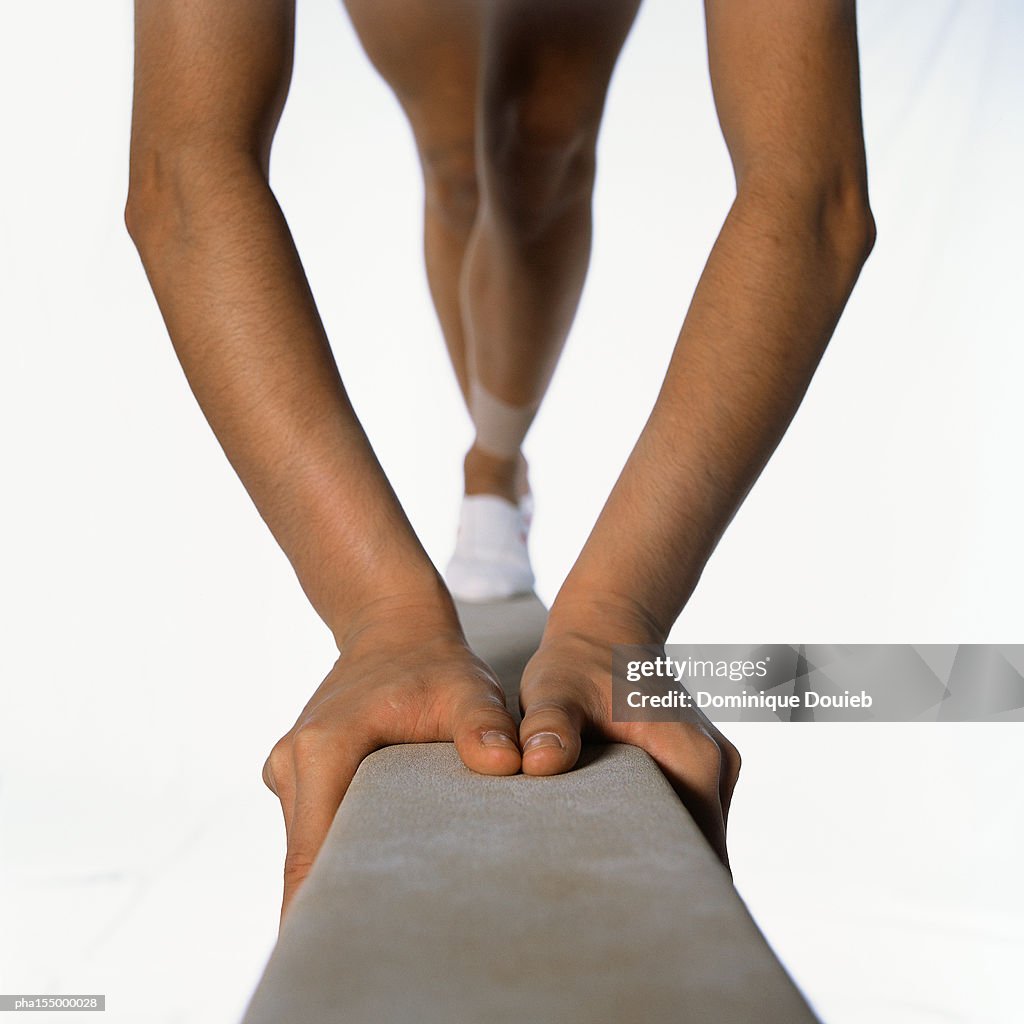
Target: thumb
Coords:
[(319, 789)]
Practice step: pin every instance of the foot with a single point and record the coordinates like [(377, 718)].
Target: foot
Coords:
[(491, 561)]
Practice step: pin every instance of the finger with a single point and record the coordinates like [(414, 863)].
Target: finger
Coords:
[(692, 762), (321, 781), (550, 731), (485, 734)]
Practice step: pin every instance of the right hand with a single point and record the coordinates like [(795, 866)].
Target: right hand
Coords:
[(404, 676)]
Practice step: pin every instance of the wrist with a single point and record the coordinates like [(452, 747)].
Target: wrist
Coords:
[(411, 607), (604, 615), (636, 590)]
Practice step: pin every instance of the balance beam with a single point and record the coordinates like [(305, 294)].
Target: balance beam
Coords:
[(445, 896)]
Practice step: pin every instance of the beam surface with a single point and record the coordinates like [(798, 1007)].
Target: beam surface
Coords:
[(445, 896)]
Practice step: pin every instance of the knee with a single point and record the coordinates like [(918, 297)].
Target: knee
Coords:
[(539, 161), (450, 183), (828, 202)]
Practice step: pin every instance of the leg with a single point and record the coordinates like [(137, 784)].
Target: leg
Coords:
[(546, 65), (546, 69), (504, 101), (428, 53), (211, 78)]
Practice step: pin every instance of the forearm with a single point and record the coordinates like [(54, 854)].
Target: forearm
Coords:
[(767, 303), (244, 325)]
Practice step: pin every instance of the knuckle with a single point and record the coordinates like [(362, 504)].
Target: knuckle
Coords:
[(486, 710), (308, 742), (296, 866), (277, 764), (732, 762), (706, 750), (494, 692), (550, 708)]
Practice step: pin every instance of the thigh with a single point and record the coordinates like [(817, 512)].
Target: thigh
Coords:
[(787, 85), (211, 73), (428, 53), (548, 63)]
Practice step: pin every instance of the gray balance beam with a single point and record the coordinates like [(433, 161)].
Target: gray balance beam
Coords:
[(441, 895)]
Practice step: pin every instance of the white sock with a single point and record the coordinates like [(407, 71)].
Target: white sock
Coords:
[(491, 559)]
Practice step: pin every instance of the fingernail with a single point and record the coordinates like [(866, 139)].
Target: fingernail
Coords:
[(544, 739), (493, 738)]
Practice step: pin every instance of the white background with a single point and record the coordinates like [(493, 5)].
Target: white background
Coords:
[(155, 643)]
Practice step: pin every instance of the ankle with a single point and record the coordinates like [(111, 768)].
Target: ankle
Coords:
[(491, 474)]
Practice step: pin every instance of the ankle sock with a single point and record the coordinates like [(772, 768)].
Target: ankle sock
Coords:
[(491, 559)]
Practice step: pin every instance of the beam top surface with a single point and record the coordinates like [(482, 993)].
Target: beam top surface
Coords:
[(443, 895)]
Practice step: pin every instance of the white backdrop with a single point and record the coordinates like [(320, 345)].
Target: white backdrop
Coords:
[(155, 643)]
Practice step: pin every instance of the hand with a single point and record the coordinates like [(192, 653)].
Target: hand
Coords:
[(566, 693), (405, 676)]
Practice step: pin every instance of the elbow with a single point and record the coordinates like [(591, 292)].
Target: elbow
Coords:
[(826, 208), (847, 223), (151, 196), (178, 190), (135, 216), (165, 187)]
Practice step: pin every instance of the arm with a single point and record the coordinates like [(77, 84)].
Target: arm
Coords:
[(211, 80), (785, 77)]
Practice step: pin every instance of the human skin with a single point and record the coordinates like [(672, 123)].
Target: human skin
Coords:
[(505, 102), (211, 79), (786, 83)]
